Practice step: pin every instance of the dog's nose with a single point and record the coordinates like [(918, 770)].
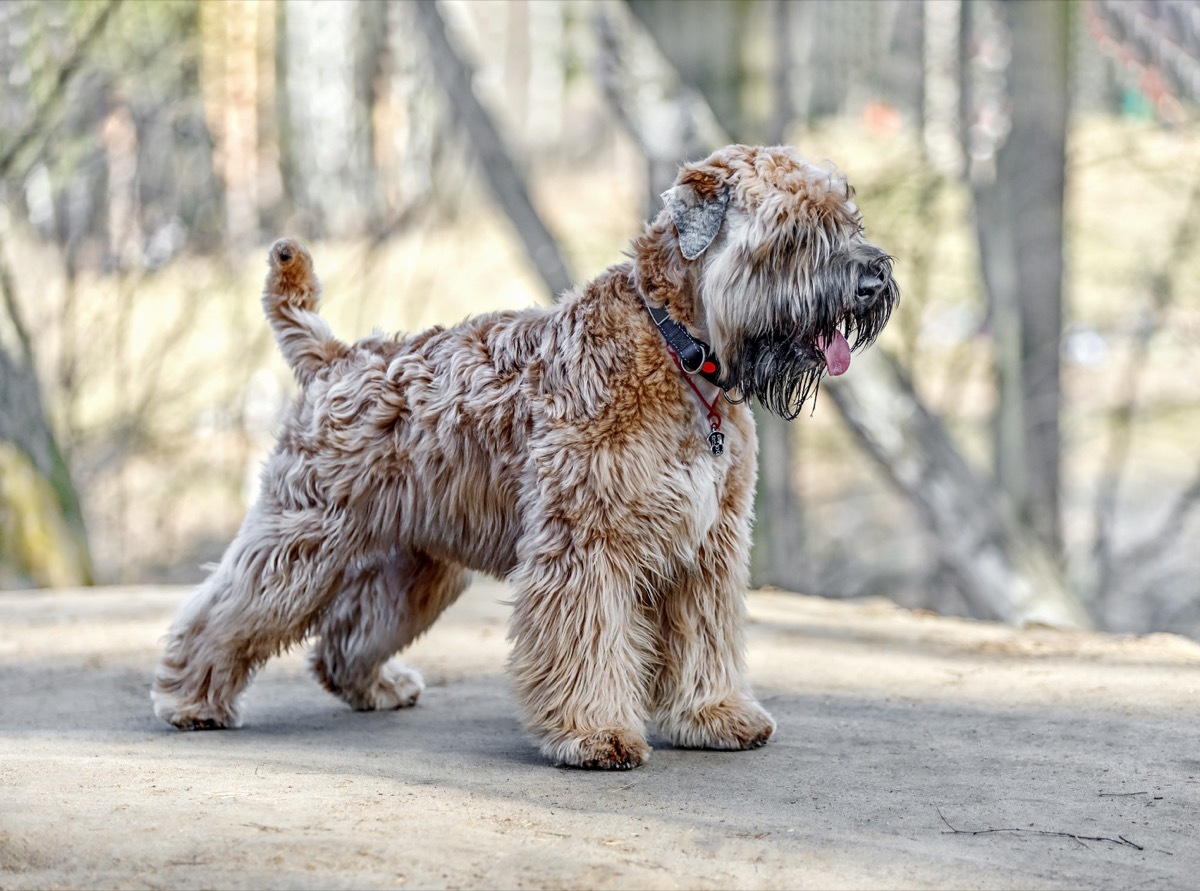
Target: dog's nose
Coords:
[(870, 284)]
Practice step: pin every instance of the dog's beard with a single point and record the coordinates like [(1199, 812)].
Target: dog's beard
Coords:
[(781, 366), (782, 369), (777, 370)]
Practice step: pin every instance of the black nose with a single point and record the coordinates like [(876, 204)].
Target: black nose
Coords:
[(870, 284)]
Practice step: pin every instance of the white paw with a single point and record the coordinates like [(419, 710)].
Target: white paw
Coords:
[(194, 716), (614, 749), (396, 686), (735, 724)]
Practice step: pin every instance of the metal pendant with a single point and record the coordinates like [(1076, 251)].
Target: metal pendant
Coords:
[(716, 442)]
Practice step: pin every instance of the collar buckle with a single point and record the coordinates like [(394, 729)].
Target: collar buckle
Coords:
[(695, 356)]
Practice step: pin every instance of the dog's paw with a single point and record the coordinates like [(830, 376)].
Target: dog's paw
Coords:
[(195, 723), (196, 716), (734, 724), (395, 686), (602, 750)]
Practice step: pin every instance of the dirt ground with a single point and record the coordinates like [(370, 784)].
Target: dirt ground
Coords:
[(1085, 748)]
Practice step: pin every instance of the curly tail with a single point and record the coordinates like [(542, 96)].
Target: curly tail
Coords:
[(289, 299)]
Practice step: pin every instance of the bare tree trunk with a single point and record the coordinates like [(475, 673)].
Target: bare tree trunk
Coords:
[(54, 552), (779, 541), (779, 553), (1019, 220), (502, 174), (1108, 566), (703, 39), (372, 43), (668, 119), (42, 534)]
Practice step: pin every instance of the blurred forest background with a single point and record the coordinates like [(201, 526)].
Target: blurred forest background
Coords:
[(1021, 444)]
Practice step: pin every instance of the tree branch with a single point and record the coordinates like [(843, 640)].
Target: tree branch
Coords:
[(12, 309), (66, 73), (455, 76), (1119, 840), (1162, 293), (1003, 572)]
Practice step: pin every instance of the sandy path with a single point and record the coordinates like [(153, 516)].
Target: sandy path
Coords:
[(884, 716)]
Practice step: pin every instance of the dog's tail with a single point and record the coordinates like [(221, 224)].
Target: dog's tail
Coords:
[(290, 298)]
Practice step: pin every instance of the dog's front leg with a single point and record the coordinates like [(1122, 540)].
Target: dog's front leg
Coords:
[(579, 660), (703, 700)]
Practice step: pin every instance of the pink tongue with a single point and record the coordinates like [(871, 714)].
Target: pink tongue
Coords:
[(837, 353)]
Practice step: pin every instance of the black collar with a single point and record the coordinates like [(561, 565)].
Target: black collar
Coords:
[(695, 356)]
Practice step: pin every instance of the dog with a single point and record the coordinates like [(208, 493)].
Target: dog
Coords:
[(599, 455)]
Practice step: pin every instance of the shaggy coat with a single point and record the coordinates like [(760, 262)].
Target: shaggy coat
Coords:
[(560, 449)]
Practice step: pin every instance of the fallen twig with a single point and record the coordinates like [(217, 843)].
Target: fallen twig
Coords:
[(1119, 840)]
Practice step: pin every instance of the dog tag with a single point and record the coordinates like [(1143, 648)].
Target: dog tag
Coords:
[(716, 442)]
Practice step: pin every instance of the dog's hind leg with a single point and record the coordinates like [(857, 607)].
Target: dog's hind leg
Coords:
[(274, 579), (381, 608)]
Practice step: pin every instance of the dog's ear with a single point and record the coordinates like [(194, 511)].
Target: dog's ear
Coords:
[(697, 206)]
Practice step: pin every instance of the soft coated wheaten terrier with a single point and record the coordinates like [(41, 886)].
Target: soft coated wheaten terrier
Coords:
[(599, 455)]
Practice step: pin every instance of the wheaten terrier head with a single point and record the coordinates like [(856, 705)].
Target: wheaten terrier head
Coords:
[(770, 250)]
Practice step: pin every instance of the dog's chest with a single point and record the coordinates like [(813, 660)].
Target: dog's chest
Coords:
[(711, 487)]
